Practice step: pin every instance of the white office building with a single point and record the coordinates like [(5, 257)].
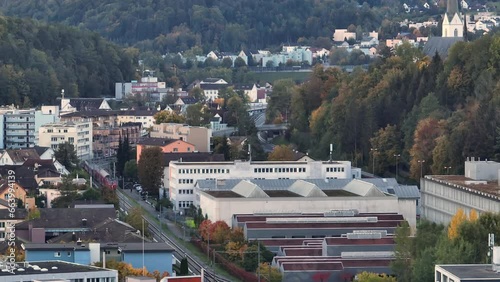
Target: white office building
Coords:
[(77, 133), (478, 189), (181, 177)]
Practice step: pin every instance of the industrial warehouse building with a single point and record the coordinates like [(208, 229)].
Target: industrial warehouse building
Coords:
[(221, 199), (478, 189)]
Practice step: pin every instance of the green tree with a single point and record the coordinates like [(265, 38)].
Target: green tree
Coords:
[(402, 265), (239, 62), (374, 277), (135, 218), (269, 273), (150, 170), (197, 115), (66, 155), (221, 146), (168, 117), (184, 271), (227, 63), (387, 141), (130, 170), (69, 193)]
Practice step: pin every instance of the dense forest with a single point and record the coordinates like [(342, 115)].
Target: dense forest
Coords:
[(433, 113), (225, 25), (38, 60)]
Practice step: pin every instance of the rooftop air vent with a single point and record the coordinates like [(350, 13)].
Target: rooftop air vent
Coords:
[(54, 267), (44, 270)]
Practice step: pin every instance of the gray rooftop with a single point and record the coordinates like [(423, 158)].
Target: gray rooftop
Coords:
[(472, 271), (385, 185), (441, 45), (53, 268)]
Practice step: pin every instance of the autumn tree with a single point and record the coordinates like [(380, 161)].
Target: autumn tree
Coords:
[(426, 133), (125, 270), (269, 273), (150, 169), (282, 153), (459, 218), (387, 141), (197, 115), (168, 117), (374, 277), (220, 232)]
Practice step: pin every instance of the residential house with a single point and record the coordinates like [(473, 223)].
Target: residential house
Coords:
[(8, 218), (44, 171), (106, 139), (198, 136), (319, 53), (58, 221), (147, 85), (57, 270), (12, 189), (77, 133), (216, 123), (153, 256), (166, 145), (19, 156), (368, 42), (144, 116), (250, 90)]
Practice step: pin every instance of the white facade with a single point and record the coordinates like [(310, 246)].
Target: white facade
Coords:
[(342, 34), (225, 208), (181, 177), (197, 135), (453, 27), (147, 84), (441, 199), (77, 133)]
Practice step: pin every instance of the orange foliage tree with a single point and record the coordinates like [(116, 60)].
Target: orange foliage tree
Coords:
[(217, 232), (125, 269), (455, 223)]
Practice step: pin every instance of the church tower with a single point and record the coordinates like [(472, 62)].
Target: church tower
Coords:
[(452, 21)]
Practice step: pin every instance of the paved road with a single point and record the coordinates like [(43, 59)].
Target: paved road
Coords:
[(195, 264)]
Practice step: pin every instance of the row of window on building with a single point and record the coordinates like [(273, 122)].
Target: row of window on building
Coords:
[(186, 181), (335, 169), (186, 191), (279, 169), (203, 171), (185, 204)]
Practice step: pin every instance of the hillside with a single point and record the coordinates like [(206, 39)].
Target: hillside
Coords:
[(226, 25), (419, 107), (38, 60)]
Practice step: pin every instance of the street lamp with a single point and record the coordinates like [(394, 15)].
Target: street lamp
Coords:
[(397, 157), (447, 169), (421, 162), (373, 150)]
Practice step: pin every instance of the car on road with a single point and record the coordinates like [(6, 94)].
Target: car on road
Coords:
[(138, 188)]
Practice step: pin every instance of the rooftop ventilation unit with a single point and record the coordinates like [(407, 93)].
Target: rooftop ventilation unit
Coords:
[(381, 232), (364, 236), (359, 255), (339, 213)]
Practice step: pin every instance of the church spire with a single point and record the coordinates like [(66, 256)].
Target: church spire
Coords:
[(451, 8)]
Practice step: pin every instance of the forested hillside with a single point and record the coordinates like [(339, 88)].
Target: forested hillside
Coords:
[(38, 60), (407, 104), (226, 25)]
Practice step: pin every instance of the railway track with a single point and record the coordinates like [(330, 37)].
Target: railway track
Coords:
[(194, 265)]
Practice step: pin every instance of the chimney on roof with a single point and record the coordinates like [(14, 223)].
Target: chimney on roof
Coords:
[(84, 222), (79, 242), (73, 237)]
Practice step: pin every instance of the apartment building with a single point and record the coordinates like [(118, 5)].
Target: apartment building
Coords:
[(196, 135), (106, 139), (77, 133), (19, 127), (181, 177)]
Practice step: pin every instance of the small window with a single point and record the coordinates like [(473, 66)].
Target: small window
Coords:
[(69, 254), (57, 254)]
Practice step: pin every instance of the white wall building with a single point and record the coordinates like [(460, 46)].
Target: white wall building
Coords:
[(342, 34), (181, 177), (77, 133), (478, 189), (147, 84)]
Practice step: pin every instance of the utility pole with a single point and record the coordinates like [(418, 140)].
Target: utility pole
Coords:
[(143, 236), (258, 260), (373, 150), (397, 156)]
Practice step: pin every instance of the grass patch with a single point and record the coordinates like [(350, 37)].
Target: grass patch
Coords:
[(273, 76), (280, 140)]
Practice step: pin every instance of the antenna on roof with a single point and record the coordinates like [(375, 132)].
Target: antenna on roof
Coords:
[(331, 151), (249, 152)]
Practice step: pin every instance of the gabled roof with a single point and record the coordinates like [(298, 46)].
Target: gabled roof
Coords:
[(150, 141), (63, 218), (188, 100), (41, 150), (110, 230), (306, 189), (248, 189), (441, 45), (363, 188), (21, 155), (208, 86), (86, 104), (4, 185)]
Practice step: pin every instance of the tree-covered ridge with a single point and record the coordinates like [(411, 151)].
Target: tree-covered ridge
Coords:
[(226, 25), (38, 60), (407, 104)]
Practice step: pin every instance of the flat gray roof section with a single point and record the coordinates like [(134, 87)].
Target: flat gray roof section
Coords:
[(471, 271)]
